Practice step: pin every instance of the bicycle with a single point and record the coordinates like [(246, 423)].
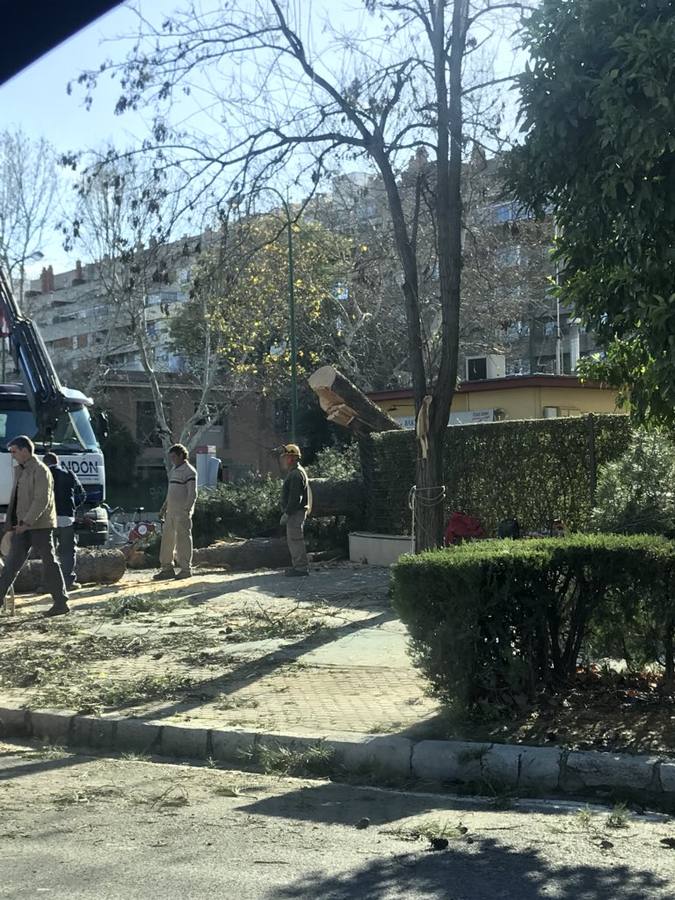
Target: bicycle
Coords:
[(122, 533)]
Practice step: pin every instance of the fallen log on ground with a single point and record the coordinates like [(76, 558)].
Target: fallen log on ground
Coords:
[(256, 553), (104, 566)]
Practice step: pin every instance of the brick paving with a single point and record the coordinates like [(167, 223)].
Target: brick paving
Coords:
[(319, 656)]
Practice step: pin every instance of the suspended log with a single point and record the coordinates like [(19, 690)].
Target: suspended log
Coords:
[(257, 553), (337, 498), (347, 405), (93, 567)]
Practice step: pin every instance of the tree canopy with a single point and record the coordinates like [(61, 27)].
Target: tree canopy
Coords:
[(240, 296), (598, 111)]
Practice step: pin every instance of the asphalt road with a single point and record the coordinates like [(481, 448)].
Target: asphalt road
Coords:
[(75, 827)]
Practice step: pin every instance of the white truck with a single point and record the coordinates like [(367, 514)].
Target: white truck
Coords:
[(55, 417)]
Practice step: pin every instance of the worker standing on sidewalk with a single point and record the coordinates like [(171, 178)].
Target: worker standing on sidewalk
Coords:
[(68, 495), (296, 504), (177, 509)]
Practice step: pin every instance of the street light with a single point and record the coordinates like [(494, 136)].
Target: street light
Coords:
[(35, 256), (291, 310)]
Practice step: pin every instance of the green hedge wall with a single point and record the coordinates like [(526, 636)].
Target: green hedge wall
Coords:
[(494, 621), (535, 471)]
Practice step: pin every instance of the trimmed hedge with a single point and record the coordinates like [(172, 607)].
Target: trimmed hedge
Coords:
[(493, 622), (535, 471)]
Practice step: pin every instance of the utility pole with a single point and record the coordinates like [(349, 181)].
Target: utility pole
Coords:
[(291, 312)]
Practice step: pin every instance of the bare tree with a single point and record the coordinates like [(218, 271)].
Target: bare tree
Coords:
[(124, 222), (28, 192), (402, 82)]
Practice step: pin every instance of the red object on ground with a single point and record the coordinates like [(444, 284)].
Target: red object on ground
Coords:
[(461, 527)]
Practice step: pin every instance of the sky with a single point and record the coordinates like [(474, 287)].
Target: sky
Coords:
[(36, 99)]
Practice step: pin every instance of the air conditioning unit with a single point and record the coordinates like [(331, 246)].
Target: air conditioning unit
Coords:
[(478, 368)]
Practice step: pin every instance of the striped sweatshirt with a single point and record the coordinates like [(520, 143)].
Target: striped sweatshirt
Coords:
[(182, 491)]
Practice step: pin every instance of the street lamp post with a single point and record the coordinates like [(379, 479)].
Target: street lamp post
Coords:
[(291, 313)]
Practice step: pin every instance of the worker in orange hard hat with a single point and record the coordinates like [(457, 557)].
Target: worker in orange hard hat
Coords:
[(296, 504)]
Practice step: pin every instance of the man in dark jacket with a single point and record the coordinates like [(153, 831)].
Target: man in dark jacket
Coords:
[(68, 495), (296, 503)]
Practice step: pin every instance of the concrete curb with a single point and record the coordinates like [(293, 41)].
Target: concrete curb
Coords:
[(487, 768)]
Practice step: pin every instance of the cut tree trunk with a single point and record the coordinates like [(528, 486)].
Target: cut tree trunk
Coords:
[(337, 498), (347, 405), (257, 553), (92, 567), (429, 496)]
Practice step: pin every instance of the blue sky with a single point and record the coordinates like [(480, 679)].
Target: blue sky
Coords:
[(36, 100)]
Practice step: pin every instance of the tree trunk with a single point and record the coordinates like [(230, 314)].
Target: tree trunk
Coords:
[(429, 497), (257, 553), (92, 567), (345, 404)]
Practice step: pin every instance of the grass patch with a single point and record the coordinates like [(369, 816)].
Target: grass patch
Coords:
[(260, 625), (93, 695), (618, 818), (48, 751), (428, 829), (122, 606), (315, 760)]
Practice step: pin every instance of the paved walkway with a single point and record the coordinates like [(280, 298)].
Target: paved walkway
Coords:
[(321, 655)]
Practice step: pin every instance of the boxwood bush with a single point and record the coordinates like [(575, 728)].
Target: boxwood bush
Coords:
[(493, 622)]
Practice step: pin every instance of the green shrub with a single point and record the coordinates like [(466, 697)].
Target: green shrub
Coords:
[(493, 622), (248, 508), (636, 493), (337, 463), (252, 508)]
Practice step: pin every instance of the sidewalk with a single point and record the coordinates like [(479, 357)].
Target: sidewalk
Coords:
[(229, 666), (259, 651)]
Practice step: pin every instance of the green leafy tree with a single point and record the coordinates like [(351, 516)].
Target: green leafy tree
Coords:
[(240, 297), (635, 493), (598, 110)]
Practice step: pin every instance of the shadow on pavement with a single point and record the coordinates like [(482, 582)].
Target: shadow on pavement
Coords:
[(35, 766), (488, 870), (246, 673), (340, 587)]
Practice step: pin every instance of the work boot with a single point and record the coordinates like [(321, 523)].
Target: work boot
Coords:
[(296, 573), (58, 609), (164, 575)]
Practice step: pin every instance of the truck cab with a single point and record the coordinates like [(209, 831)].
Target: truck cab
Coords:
[(73, 440)]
